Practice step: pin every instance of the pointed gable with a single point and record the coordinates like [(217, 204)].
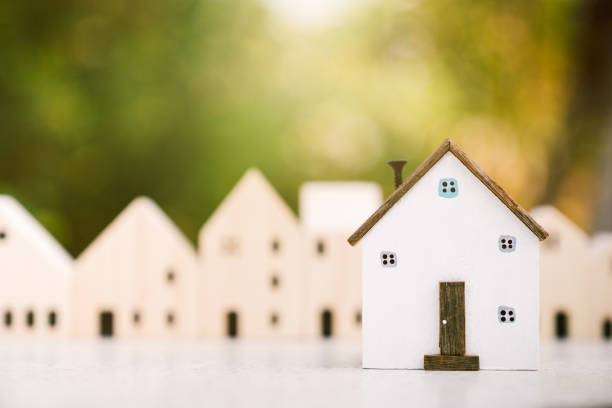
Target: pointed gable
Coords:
[(252, 194), (142, 217), (449, 146), (14, 218)]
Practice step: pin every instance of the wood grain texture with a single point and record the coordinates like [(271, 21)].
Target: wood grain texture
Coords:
[(449, 146), (452, 318), (451, 363)]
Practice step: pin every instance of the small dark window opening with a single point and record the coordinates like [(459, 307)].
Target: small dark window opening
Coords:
[(320, 247), (232, 324), (2, 234), (170, 276), (275, 245), (274, 281), (52, 318), (106, 324), (326, 323), (30, 318), (358, 318), (273, 319), (170, 319), (561, 325), (8, 318), (607, 329), (136, 318)]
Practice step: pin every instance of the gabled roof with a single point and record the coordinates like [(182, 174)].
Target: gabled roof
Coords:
[(251, 187), (449, 146), (145, 217)]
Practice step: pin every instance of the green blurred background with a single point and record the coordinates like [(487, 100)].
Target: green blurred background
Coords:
[(102, 101)]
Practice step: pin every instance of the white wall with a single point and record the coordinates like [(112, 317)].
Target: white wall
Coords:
[(565, 276), (35, 274), (439, 239), (253, 216), (329, 212)]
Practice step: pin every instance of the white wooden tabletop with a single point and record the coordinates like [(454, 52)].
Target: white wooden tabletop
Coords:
[(315, 374)]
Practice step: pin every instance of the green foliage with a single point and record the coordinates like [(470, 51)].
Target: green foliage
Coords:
[(104, 101)]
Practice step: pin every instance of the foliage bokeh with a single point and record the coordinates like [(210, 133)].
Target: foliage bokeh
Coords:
[(175, 99)]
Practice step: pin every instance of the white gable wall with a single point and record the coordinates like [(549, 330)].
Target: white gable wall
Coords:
[(252, 216), (35, 272), (565, 276), (441, 239)]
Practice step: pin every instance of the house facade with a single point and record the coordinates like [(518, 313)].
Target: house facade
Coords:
[(448, 229), (251, 261), (138, 279), (600, 286), (566, 279), (36, 273), (328, 212)]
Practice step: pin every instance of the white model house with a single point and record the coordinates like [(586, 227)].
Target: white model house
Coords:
[(450, 272), (250, 257), (600, 293), (138, 279), (35, 274), (566, 279), (328, 212)]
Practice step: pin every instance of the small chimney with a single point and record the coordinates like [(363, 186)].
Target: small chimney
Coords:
[(397, 166)]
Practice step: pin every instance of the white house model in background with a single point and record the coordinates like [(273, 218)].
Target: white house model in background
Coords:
[(328, 212), (137, 279), (250, 257), (35, 272), (600, 285), (450, 272), (566, 277)]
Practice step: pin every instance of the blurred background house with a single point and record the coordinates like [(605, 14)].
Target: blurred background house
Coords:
[(251, 265), (329, 212), (137, 279), (36, 275)]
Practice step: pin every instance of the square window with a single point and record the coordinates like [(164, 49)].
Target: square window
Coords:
[(507, 243), (448, 188), (506, 314), (388, 259)]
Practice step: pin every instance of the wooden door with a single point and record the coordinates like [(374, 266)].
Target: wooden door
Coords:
[(452, 318)]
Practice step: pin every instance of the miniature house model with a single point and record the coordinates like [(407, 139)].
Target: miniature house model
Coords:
[(600, 285), (36, 273), (328, 212), (450, 272), (137, 279), (250, 257), (565, 278)]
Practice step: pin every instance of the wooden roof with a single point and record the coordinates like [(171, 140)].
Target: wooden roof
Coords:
[(449, 146)]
